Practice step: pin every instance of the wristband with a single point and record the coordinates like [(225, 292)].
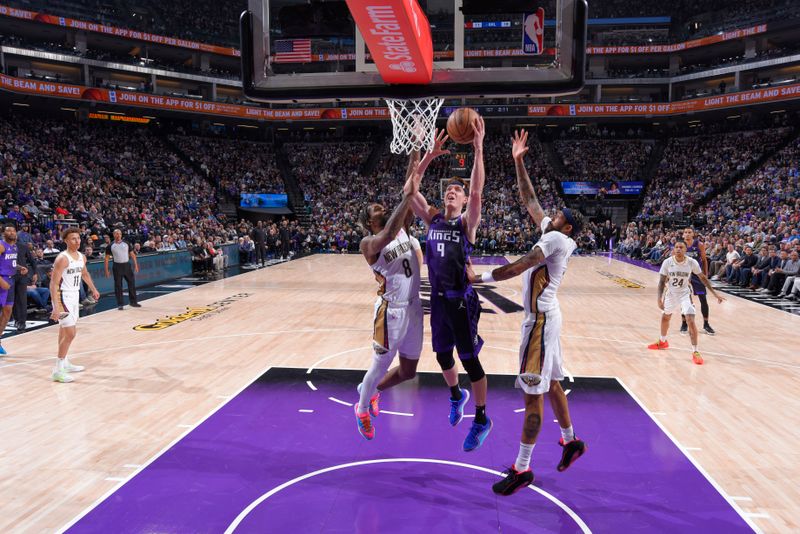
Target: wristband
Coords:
[(487, 277)]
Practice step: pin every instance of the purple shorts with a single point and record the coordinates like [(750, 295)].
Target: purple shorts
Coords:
[(454, 323), (7, 295)]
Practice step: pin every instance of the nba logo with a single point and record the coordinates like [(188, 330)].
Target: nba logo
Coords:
[(112, 96), (533, 32)]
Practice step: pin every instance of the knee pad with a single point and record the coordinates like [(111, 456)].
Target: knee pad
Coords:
[(446, 360), (473, 368)]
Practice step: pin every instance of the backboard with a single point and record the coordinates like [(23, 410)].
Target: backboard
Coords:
[(296, 51)]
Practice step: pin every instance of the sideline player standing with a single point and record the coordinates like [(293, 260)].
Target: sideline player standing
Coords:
[(65, 286), (697, 250), (398, 319), (455, 307), (8, 268), (674, 292), (541, 360)]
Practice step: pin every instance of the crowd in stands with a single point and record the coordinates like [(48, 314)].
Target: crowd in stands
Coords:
[(234, 166), (55, 174), (694, 168), (751, 232), (335, 198), (603, 160), (100, 177)]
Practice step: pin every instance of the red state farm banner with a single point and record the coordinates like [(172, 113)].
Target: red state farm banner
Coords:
[(145, 100), (398, 37), (96, 27)]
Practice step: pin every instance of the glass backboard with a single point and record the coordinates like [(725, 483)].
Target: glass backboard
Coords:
[(296, 50)]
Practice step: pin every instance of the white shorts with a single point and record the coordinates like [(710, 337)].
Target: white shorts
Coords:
[(70, 302), (398, 328), (673, 302), (540, 358)]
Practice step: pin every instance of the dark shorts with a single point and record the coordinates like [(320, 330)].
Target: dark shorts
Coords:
[(697, 286), (7, 295), (454, 323)]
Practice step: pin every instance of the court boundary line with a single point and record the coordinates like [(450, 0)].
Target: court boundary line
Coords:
[(194, 426), (160, 453), (694, 463)]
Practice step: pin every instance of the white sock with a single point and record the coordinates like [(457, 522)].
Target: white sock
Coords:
[(380, 364), (694, 348), (568, 434), (524, 457), (60, 364), (663, 339)]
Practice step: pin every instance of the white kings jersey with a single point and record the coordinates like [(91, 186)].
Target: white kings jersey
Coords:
[(540, 283), (398, 270), (678, 274), (71, 277)]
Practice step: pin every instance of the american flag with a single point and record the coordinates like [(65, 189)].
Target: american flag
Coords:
[(292, 51)]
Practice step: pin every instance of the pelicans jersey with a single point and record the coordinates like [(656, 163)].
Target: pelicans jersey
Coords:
[(398, 310), (540, 358), (679, 291), (69, 290)]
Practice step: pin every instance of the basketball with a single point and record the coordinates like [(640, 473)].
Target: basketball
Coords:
[(459, 125)]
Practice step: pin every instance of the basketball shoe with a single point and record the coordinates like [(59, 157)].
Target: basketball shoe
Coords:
[(684, 329), (457, 407), (374, 409), (513, 482), (572, 450), (477, 435), (2, 351), (365, 427), (659, 345), (69, 367), (61, 375), (696, 358)]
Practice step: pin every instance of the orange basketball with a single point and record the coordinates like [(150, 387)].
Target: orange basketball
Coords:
[(459, 125)]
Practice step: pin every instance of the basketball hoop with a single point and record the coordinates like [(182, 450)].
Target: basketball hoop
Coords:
[(413, 123)]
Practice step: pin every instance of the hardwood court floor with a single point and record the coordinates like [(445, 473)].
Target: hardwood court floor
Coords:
[(64, 446)]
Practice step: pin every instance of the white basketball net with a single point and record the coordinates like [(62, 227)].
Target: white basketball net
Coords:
[(414, 123)]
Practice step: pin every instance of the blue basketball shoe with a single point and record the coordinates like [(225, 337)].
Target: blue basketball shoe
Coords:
[(457, 407), (477, 435)]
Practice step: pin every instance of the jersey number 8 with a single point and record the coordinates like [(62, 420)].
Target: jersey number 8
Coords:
[(407, 268)]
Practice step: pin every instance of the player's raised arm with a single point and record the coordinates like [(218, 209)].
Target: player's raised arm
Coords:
[(372, 245), (472, 218), (519, 148), (418, 203)]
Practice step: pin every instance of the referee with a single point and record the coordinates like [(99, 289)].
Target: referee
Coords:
[(122, 255)]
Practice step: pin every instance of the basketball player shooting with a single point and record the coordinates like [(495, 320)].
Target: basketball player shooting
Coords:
[(541, 361), (675, 293), (391, 253), (455, 308)]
